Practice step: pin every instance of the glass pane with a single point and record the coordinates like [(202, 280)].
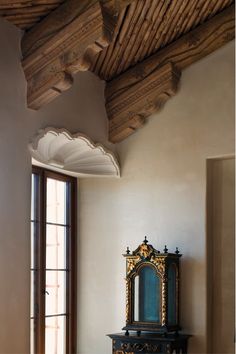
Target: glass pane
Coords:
[(136, 298), (55, 335), (56, 247), (149, 295), (55, 296), (32, 246), (33, 201), (56, 201), (32, 290), (32, 336), (172, 295)]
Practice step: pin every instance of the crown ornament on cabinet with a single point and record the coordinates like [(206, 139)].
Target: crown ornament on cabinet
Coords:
[(73, 154)]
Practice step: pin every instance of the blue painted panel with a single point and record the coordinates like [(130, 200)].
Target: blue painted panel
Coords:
[(149, 295), (172, 295)]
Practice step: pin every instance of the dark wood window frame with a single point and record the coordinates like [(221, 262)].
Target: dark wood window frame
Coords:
[(39, 266)]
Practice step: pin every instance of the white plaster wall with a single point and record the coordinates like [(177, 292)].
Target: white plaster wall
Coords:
[(162, 195), (79, 109)]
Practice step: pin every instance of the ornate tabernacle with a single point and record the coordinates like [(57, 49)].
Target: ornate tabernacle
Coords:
[(152, 289)]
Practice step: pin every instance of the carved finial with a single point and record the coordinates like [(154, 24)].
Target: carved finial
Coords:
[(127, 250), (165, 249), (145, 241), (177, 250)]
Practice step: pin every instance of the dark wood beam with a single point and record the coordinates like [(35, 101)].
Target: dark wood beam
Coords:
[(134, 95), (63, 44)]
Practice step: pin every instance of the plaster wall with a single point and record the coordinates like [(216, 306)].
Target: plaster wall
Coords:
[(161, 194), (80, 109)]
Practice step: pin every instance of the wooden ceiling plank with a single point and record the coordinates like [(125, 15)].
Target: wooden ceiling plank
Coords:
[(202, 11), (192, 11), (24, 21), (192, 8), (41, 9), (27, 3), (226, 3), (139, 37), (159, 26), (215, 9), (136, 39), (108, 67), (156, 20), (105, 55), (13, 18), (165, 25), (128, 94), (178, 17)]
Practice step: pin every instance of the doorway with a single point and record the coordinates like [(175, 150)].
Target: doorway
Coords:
[(220, 255)]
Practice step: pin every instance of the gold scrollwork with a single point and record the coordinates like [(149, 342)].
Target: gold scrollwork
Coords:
[(159, 263), (164, 302), (131, 264), (128, 299), (145, 250)]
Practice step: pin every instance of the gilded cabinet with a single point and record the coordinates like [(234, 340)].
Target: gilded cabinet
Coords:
[(152, 289), (152, 303)]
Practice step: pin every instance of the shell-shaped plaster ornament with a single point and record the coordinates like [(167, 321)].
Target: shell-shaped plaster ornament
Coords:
[(73, 154)]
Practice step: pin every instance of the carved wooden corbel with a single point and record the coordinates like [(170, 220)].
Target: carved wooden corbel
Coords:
[(63, 44)]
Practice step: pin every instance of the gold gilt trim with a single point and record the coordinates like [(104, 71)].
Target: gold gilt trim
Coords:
[(164, 302)]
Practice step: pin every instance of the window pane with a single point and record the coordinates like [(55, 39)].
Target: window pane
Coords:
[(33, 240), (55, 296), (33, 180), (55, 331), (32, 336), (32, 295), (56, 201), (56, 247)]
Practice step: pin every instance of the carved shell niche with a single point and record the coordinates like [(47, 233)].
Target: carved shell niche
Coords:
[(73, 154)]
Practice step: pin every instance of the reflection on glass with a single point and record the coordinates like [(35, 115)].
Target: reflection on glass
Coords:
[(136, 298), (55, 296), (172, 294), (55, 330), (32, 331), (147, 295), (56, 247), (56, 201), (33, 236), (32, 289), (33, 190)]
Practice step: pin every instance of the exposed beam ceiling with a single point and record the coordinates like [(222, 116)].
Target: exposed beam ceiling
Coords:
[(138, 46), (135, 94), (146, 26)]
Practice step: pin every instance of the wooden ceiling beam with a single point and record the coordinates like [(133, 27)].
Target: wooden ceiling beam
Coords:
[(142, 90), (64, 43)]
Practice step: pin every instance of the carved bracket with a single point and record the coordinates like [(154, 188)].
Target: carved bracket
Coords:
[(128, 108), (63, 44)]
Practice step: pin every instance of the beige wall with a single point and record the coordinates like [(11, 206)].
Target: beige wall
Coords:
[(161, 194), (79, 109)]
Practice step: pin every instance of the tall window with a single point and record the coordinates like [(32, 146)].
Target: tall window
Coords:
[(53, 263)]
